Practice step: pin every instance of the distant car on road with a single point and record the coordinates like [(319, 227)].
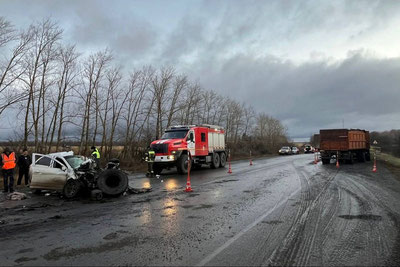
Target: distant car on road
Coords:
[(295, 150), (285, 150), (308, 149)]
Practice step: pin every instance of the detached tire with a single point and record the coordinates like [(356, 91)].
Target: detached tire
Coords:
[(215, 161), (112, 182), (71, 188)]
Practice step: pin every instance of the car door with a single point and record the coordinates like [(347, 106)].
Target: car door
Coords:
[(191, 142), (44, 175)]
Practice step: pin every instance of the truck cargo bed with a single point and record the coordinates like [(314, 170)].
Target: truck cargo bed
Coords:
[(344, 139), (344, 144)]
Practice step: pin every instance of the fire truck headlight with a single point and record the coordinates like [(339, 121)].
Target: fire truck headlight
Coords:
[(173, 152), (171, 157)]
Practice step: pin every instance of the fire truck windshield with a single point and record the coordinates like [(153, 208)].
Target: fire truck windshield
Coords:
[(174, 134)]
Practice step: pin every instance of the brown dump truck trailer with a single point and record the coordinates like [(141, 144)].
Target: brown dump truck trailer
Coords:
[(348, 144)]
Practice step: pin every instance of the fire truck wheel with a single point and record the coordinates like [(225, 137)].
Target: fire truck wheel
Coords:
[(222, 159), (182, 164), (157, 169), (215, 161)]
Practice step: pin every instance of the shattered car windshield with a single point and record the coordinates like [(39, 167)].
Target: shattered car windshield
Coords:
[(75, 161), (174, 135)]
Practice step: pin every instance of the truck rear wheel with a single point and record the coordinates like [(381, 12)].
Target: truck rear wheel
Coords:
[(215, 161), (326, 161), (361, 157), (222, 158), (182, 164)]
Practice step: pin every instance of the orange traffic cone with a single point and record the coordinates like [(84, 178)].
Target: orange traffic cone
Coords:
[(374, 168), (188, 184), (229, 162), (337, 160)]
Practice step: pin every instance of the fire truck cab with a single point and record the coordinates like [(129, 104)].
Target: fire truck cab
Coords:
[(205, 143)]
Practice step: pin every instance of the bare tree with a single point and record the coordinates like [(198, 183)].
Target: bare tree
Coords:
[(67, 58), (160, 85), (180, 83), (136, 115), (11, 68), (7, 32), (93, 72), (44, 35)]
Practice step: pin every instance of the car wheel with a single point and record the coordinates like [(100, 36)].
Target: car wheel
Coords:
[(71, 188)]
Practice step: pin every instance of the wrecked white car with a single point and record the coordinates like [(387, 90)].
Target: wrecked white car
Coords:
[(72, 174)]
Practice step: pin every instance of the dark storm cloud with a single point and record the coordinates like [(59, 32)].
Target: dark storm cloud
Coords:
[(285, 58), (361, 90), (93, 25), (123, 33)]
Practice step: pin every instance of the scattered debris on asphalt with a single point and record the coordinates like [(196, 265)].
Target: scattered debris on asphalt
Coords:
[(16, 196), (132, 190)]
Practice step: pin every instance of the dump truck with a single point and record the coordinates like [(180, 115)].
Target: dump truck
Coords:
[(205, 143), (345, 144)]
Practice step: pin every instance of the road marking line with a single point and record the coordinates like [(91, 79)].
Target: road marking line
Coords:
[(245, 230)]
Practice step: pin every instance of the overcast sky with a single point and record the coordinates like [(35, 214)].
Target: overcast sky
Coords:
[(311, 64)]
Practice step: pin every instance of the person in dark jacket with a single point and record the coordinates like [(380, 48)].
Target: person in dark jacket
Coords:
[(24, 161), (7, 164)]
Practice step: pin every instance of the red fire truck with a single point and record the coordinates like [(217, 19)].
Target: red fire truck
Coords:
[(206, 144)]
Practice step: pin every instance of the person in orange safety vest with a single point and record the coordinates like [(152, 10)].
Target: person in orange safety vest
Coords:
[(7, 164)]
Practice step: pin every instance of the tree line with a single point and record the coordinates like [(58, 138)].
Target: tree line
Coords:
[(388, 141), (59, 96)]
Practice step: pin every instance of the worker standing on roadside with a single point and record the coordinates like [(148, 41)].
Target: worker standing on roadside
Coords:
[(8, 163), (96, 156), (24, 161), (151, 155)]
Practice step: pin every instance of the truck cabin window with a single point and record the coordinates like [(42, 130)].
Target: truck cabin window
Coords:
[(203, 137), (174, 135), (190, 137)]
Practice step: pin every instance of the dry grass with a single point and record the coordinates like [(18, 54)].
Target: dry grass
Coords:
[(387, 158), (390, 161)]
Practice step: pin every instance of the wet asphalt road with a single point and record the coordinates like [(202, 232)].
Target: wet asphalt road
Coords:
[(280, 211)]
